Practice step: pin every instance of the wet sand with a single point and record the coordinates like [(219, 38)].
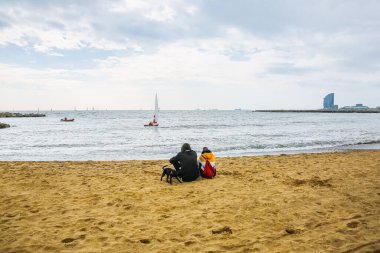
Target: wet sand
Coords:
[(327, 202)]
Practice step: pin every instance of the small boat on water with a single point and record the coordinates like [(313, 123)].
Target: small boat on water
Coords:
[(154, 122), (67, 120)]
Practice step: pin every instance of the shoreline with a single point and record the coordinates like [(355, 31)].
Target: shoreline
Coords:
[(328, 202), (338, 149)]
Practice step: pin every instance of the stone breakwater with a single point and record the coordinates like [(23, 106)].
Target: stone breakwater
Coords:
[(371, 110), (16, 114), (3, 125)]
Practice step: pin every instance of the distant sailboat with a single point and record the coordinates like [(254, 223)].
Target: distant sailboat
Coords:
[(154, 122)]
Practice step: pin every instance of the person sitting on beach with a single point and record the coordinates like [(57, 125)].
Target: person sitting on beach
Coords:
[(207, 170), (186, 162)]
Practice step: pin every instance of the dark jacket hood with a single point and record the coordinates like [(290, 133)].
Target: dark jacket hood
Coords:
[(185, 146)]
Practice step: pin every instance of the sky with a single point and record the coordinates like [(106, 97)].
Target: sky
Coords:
[(210, 54)]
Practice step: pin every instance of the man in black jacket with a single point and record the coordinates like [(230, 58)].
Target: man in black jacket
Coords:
[(186, 162)]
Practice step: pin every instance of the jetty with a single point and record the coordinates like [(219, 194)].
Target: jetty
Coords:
[(324, 111), (3, 125), (19, 115)]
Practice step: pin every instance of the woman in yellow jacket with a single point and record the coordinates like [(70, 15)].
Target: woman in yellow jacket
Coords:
[(207, 155)]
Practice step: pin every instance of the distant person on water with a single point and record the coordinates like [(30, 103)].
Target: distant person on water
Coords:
[(207, 165), (153, 122), (186, 162)]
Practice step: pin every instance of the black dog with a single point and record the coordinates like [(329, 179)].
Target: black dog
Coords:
[(170, 173)]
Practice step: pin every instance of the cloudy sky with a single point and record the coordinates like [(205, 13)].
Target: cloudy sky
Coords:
[(206, 54)]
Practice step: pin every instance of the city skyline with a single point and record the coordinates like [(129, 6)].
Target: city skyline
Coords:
[(195, 55)]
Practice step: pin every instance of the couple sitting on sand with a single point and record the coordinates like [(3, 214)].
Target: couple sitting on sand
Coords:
[(186, 161)]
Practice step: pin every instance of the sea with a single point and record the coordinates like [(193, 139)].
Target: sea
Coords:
[(121, 135)]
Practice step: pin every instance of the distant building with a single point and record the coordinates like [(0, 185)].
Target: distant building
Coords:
[(328, 102), (355, 107), (328, 105)]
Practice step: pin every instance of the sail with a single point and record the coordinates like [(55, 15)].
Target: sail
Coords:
[(154, 122), (156, 109)]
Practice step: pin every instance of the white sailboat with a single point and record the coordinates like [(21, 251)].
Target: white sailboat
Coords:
[(154, 122)]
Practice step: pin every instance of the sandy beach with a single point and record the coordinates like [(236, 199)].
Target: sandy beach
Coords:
[(327, 202)]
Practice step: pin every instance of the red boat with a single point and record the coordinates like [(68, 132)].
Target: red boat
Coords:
[(67, 120)]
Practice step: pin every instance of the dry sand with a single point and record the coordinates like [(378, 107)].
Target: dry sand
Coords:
[(328, 202)]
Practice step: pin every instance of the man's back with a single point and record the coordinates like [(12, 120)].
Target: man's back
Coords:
[(188, 163)]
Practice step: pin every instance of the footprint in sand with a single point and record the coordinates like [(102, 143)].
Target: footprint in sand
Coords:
[(188, 243), (353, 224), (68, 240), (223, 230), (145, 241), (97, 228), (292, 231), (103, 239), (11, 215), (127, 206), (50, 248)]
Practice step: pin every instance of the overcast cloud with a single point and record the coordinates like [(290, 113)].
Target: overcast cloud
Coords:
[(194, 54)]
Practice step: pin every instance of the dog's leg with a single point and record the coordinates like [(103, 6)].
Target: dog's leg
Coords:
[(178, 179), (167, 177), (163, 174), (171, 177)]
